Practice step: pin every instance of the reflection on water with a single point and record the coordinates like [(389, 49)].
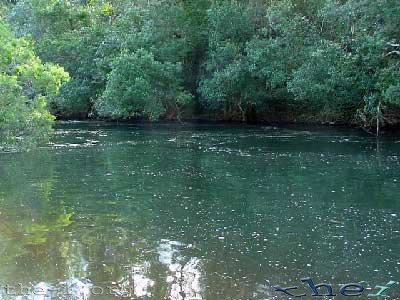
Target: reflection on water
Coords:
[(184, 277), (181, 212), (135, 284)]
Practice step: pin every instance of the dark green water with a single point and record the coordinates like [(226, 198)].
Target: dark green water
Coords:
[(200, 212)]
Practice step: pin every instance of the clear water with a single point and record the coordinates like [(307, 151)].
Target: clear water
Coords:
[(198, 212)]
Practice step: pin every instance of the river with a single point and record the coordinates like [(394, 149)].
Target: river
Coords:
[(184, 212)]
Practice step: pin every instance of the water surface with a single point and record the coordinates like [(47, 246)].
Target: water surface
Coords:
[(199, 212)]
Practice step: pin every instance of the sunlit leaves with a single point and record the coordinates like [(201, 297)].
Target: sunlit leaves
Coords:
[(25, 86)]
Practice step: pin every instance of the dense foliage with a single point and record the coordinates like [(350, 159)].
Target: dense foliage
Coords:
[(290, 60), (25, 87)]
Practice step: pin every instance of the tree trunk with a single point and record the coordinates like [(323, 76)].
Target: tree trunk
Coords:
[(242, 112), (378, 112)]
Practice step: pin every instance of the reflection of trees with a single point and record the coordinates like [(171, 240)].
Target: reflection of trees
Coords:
[(33, 222)]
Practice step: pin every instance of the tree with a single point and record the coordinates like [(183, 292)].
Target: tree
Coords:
[(326, 83), (139, 85), (25, 87), (314, 60), (227, 83)]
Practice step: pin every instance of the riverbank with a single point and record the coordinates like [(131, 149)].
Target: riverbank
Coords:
[(262, 120)]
